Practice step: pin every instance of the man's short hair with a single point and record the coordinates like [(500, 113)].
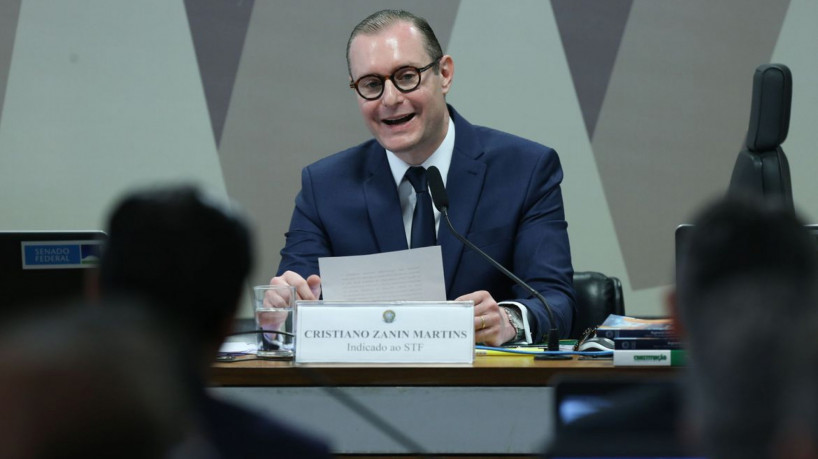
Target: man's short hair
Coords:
[(746, 265), (180, 250), (382, 19), (742, 237)]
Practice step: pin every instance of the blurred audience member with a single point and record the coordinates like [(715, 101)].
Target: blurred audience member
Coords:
[(188, 255), (746, 281), (796, 435), (89, 381)]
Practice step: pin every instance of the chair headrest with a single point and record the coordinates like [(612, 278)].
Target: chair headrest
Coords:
[(770, 112)]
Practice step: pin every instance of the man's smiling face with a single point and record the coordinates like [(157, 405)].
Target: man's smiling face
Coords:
[(413, 124)]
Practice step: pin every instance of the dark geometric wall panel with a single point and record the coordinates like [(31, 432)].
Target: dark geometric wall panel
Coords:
[(674, 116), (591, 31), (218, 28)]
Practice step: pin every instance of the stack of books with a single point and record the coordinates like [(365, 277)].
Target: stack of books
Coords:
[(642, 342)]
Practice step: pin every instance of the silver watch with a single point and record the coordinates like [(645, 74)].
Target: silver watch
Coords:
[(516, 321)]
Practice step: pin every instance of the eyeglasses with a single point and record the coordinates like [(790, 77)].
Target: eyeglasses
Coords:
[(406, 79)]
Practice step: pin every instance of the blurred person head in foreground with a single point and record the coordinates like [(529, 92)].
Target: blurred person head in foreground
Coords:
[(89, 381), (746, 280), (187, 254)]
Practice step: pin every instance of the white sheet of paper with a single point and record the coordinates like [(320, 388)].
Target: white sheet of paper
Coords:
[(237, 347), (405, 275)]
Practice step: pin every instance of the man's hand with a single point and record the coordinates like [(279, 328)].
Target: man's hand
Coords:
[(491, 325), (307, 290)]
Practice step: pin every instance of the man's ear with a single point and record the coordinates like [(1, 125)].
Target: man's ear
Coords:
[(446, 66), (671, 306)]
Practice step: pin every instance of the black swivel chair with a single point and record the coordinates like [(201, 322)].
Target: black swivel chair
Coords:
[(762, 169), (597, 296)]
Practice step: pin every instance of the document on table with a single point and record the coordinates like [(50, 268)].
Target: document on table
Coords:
[(405, 275), (237, 347)]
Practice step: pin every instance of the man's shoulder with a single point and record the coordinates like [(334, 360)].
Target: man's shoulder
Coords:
[(493, 141), (500, 149), (353, 158)]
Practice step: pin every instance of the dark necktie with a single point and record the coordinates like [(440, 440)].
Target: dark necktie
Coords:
[(423, 219)]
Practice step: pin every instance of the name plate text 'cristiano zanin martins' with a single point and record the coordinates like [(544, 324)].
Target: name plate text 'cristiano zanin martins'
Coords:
[(384, 332)]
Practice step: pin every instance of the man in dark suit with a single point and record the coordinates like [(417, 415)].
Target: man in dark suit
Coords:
[(187, 256), (504, 191)]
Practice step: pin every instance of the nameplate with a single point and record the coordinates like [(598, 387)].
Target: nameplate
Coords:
[(61, 254), (384, 332)]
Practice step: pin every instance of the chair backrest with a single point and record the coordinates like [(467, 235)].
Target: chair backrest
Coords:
[(597, 296), (761, 168)]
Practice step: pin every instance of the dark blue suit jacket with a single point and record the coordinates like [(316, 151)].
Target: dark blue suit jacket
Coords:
[(504, 196)]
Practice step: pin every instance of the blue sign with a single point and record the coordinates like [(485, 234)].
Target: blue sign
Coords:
[(61, 254)]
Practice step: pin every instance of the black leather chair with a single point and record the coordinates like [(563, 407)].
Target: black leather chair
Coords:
[(597, 296), (762, 169)]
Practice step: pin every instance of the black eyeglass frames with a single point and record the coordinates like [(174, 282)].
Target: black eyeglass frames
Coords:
[(406, 79)]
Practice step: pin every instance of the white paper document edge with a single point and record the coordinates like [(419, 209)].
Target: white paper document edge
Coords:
[(404, 275)]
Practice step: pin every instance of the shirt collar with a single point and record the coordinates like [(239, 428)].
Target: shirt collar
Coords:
[(441, 158)]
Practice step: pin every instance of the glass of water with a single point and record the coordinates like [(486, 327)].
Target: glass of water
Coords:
[(275, 320)]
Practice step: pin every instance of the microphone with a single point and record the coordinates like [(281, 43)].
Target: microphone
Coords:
[(441, 201)]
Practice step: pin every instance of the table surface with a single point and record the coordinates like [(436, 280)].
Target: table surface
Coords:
[(485, 371)]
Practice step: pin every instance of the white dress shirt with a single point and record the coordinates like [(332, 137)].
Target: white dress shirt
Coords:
[(441, 159)]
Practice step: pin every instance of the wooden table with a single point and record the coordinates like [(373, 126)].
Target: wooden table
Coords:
[(486, 371), (497, 406)]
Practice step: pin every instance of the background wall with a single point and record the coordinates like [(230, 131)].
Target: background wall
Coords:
[(646, 102)]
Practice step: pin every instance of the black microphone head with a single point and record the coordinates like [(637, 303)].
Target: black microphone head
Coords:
[(437, 189)]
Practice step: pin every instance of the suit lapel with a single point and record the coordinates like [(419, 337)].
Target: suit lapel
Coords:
[(383, 203), (464, 184)]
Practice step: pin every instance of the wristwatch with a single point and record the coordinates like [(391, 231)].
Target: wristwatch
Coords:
[(516, 322)]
